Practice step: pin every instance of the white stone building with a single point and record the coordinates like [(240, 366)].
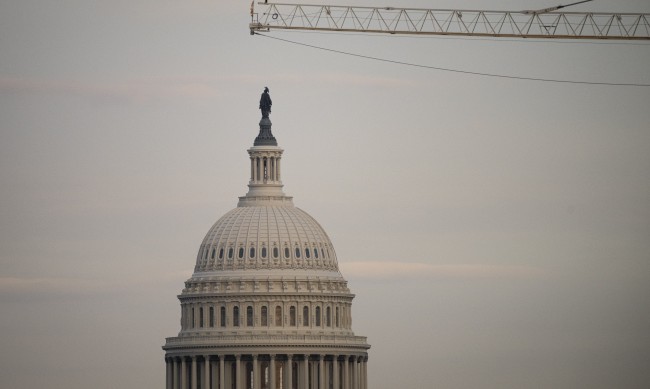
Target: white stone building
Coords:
[(266, 306)]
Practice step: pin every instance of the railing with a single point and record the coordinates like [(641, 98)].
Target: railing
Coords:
[(285, 339)]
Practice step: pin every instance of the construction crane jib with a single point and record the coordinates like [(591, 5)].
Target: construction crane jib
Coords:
[(480, 23)]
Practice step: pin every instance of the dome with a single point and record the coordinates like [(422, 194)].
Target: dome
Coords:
[(269, 240), (266, 306)]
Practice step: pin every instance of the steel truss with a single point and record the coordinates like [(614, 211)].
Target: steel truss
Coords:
[(521, 24)]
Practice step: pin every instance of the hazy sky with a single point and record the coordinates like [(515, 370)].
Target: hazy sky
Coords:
[(496, 232)]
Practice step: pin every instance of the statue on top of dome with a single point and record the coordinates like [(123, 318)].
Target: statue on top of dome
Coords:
[(265, 103)]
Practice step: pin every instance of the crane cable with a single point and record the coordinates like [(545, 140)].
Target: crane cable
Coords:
[(452, 70)]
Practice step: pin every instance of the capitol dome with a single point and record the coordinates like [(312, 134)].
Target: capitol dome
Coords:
[(266, 306), (265, 239)]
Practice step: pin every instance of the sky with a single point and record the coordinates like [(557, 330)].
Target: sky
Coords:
[(495, 231)]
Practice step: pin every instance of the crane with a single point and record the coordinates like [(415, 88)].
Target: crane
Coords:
[(545, 23)]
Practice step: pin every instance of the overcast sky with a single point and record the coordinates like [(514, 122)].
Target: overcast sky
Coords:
[(496, 232)]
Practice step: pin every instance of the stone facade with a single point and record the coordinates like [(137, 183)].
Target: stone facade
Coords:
[(266, 306)]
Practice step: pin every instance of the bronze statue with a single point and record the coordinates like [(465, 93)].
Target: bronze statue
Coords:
[(265, 103)]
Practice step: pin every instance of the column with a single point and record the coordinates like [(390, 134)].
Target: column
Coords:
[(256, 373), (174, 374), (222, 371), (206, 376), (365, 373), (357, 377), (278, 163), (305, 372), (194, 372), (361, 378), (168, 371), (272, 372), (321, 371), (346, 372), (238, 371), (183, 373), (289, 372), (335, 372)]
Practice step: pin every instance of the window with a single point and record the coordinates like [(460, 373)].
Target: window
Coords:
[(337, 316), (201, 317), (276, 252), (211, 316), (193, 318), (305, 316), (286, 252), (263, 252), (221, 253), (317, 316), (230, 253), (222, 317), (265, 316), (316, 253), (249, 316), (292, 316), (297, 252), (213, 252), (251, 252), (241, 252), (235, 316), (278, 316), (307, 253), (328, 316)]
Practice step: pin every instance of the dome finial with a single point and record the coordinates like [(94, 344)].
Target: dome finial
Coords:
[(265, 137)]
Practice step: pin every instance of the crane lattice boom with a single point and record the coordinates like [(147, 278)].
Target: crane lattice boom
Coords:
[(393, 20)]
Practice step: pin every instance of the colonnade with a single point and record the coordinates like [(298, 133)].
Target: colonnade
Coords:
[(267, 371), (265, 168)]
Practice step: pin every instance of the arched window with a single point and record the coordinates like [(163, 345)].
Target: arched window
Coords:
[(252, 252), (214, 250), (263, 252), (193, 318), (292, 316), (307, 253), (317, 316), (265, 316), (278, 316), (230, 253), (287, 253), (305, 316), (222, 316), (241, 252), (221, 253), (249, 316), (276, 252), (235, 316), (316, 253), (297, 252), (328, 316), (201, 317), (211, 316)]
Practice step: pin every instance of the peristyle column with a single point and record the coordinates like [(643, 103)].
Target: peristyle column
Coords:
[(272, 372), (238, 371), (222, 371)]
